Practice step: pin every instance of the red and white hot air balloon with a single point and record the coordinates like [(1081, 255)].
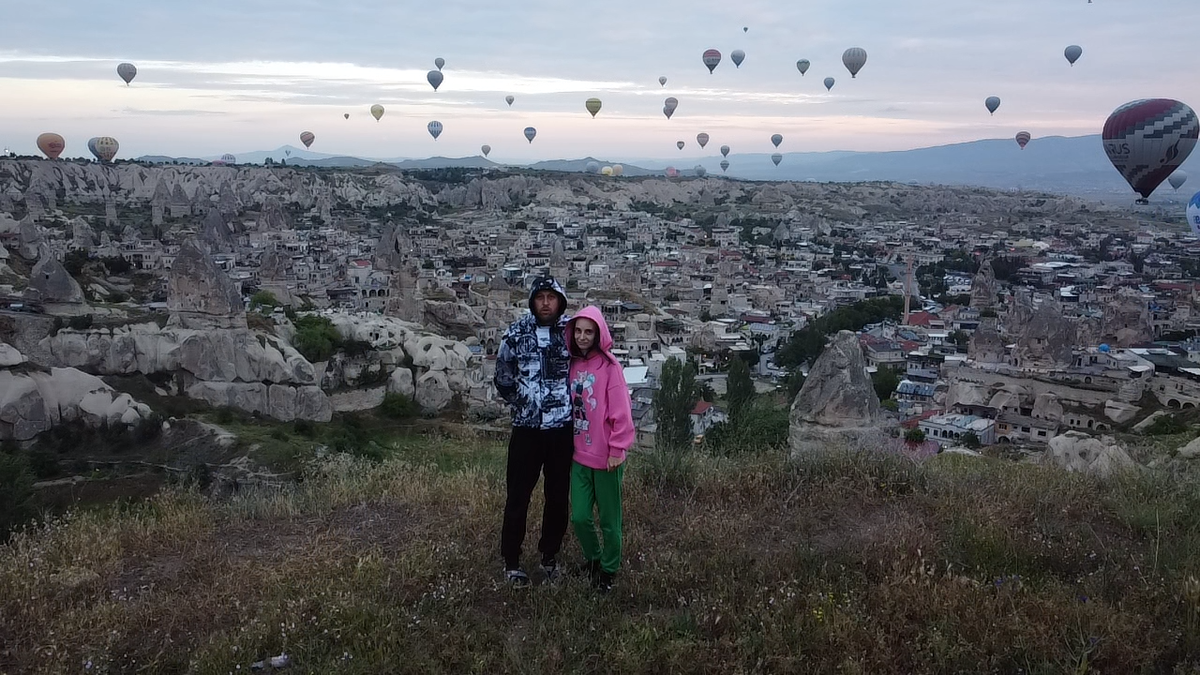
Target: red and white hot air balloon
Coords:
[(307, 138), (1147, 140), (1023, 138), (51, 144), (711, 59)]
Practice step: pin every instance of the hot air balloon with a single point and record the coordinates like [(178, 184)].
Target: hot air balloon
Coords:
[(376, 111), (777, 158), (435, 78), (737, 56), (671, 103), (1193, 214), (662, 81), (672, 172), (592, 166), (618, 169), (854, 59), (485, 149), (592, 105), (776, 139), (91, 145), (724, 150), (992, 103), (228, 159), (509, 99), (607, 170), (287, 153), (680, 144), (307, 138), (1073, 53), (439, 62), (530, 132), (127, 71), (106, 148), (711, 58), (435, 129), (802, 66), (668, 112), (1177, 179), (702, 139), (828, 83), (1023, 138), (346, 115), (724, 165), (1148, 139), (745, 29), (700, 171), (51, 145)]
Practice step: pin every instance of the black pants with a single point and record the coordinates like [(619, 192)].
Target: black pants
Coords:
[(530, 452)]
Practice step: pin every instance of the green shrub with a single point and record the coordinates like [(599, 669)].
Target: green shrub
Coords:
[(914, 435), (316, 338), (16, 493), (397, 406), (1166, 425), (82, 322)]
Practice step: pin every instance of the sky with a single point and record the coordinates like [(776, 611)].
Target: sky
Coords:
[(242, 75)]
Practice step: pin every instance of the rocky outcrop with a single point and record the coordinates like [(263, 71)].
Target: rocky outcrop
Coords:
[(452, 318), (983, 287), (33, 400), (1046, 340), (1127, 320), (51, 283), (199, 293), (837, 406), (986, 344), (1077, 452)]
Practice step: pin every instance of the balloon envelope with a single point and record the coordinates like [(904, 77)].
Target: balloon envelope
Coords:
[(346, 115), (618, 169), (776, 139), (486, 149), (376, 111), (51, 144), (702, 139), (307, 138), (724, 165), (737, 56), (106, 148), (724, 150), (127, 71), (668, 112), (671, 103), (700, 171), (435, 129), (992, 103), (672, 172), (1177, 179), (228, 159), (777, 158), (802, 66), (711, 59), (439, 62), (530, 132), (828, 83), (91, 145), (1193, 214), (1023, 138), (854, 59), (1146, 140), (680, 144), (1073, 53), (591, 167), (607, 171), (435, 78), (509, 99), (662, 80), (592, 105)]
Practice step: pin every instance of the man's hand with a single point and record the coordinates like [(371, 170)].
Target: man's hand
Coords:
[(614, 462)]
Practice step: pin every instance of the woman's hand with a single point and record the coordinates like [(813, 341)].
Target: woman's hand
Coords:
[(614, 462)]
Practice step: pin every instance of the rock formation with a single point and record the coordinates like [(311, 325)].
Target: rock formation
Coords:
[(199, 293), (52, 284), (986, 345), (1046, 340), (1078, 452), (983, 287), (1127, 320), (837, 404)]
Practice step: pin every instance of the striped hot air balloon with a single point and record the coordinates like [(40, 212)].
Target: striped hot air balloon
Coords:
[(702, 139), (307, 138), (711, 59), (1148, 139), (854, 59), (435, 129), (1023, 138)]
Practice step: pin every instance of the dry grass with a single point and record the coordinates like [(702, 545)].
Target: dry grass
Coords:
[(846, 563)]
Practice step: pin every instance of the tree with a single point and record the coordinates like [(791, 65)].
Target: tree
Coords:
[(885, 381), (970, 440), (739, 389), (960, 338), (673, 404), (263, 299), (914, 435)]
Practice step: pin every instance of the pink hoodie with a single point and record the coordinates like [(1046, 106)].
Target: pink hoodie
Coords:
[(600, 403)]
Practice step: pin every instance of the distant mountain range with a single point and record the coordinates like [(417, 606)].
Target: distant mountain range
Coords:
[(1071, 165)]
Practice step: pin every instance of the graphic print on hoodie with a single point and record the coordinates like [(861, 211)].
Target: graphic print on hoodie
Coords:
[(532, 366), (600, 405)]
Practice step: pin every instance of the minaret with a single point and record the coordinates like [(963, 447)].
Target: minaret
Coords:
[(907, 288)]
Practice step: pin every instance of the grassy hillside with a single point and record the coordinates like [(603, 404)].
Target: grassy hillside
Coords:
[(840, 563)]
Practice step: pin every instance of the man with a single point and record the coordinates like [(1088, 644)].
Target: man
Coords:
[(531, 375)]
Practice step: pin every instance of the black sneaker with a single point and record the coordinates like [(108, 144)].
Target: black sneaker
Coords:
[(550, 567), (603, 582), (516, 578)]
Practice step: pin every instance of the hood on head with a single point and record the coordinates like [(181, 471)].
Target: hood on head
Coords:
[(591, 312), (548, 283)]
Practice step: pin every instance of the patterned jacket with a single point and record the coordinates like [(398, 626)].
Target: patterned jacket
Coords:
[(532, 378)]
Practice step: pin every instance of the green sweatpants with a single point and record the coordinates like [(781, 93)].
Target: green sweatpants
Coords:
[(597, 489)]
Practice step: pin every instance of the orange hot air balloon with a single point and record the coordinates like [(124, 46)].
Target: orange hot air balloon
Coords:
[(51, 145)]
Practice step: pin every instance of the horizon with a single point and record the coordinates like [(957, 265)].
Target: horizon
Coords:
[(256, 74)]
